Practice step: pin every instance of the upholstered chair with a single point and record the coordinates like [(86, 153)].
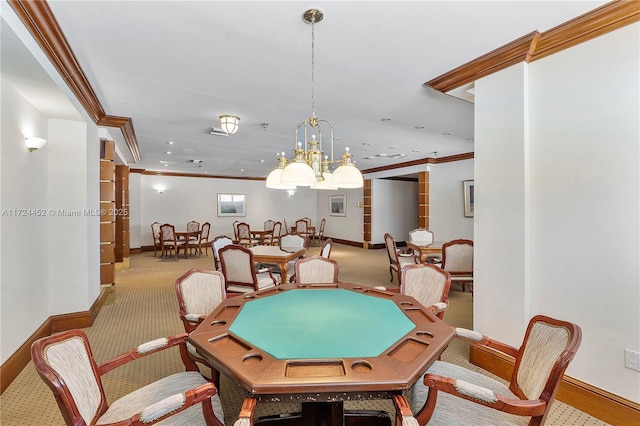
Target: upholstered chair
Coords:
[(450, 394), (199, 292), (325, 250), (169, 241), (396, 259), (65, 362), (457, 259), (273, 238), (428, 284), (245, 238), (291, 242), (204, 238), (240, 273), (155, 233), (316, 269), (319, 236), (216, 244), (424, 237)]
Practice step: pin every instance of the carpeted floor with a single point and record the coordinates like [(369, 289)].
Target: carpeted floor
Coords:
[(142, 306)]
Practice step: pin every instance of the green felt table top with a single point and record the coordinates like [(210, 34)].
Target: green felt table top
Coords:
[(321, 324)]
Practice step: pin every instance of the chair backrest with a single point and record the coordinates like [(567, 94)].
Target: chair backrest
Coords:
[(217, 243), (65, 362), (193, 226), (237, 266), (301, 226), (204, 233), (427, 283), (421, 235), (308, 220), (316, 269), (235, 229), (269, 224), (155, 231), (199, 292), (277, 229), (325, 250), (244, 231), (167, 232), (548, 347), (292, 240), (457, 257), (392, 251), (321, 230)]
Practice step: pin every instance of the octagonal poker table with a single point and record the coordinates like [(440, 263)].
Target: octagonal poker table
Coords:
[(322, 344)]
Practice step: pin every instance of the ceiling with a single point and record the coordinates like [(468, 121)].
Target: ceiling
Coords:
[(175, 66)]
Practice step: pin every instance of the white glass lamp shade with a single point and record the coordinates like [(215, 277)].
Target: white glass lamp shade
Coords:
[(298, 174), (273, 180), (229, 123), (347, 176), (34, 143)]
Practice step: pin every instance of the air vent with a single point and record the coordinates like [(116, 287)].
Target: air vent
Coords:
[(218, 132), (194, 161)]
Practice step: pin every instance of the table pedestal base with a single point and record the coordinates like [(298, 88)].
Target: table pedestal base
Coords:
[(327, 414)]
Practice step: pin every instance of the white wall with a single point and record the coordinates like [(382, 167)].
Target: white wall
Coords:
[(394, 209), (50, 262), (446, 200), (191, 198), (568, 128), (349, 227)]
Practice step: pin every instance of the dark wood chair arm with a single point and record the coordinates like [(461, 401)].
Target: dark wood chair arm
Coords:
[(143, 350), (498, 402)]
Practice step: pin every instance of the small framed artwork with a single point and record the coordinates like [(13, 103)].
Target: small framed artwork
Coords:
[(232, 204), (338, 205), (467, 187)]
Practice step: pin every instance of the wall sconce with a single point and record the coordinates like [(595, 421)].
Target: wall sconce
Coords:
[(229, 123), (33, 143), (291, 192), (160, 190)]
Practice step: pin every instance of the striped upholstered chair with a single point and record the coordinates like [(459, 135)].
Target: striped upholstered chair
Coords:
[(428, 284), (65, 362), (316, 269), (450, 394), (199, 292), (240, 272)]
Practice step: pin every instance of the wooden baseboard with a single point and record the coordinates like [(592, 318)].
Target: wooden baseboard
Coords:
[(346, 242), (10, 369), (135, 250), (596, 402)]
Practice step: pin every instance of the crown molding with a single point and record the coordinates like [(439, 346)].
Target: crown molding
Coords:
[(429, 160), (536, 45), (196, 175), (38, 18)]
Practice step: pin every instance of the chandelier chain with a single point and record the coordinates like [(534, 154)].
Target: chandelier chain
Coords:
[(313, 68)]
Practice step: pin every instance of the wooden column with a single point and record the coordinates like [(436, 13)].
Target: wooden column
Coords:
[(107, 212), (122, 217), (423, 200), (367, 212)]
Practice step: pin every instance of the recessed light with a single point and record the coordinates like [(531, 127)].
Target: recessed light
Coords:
[(171, 142), (366, 143), (381, 155), (262, 161), (419, 127), (168, 152), (385, 119), (166, 165), (447, 133), (393, 147), (369, 158)]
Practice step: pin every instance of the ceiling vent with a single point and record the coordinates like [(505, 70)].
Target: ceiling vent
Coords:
[(194, 161), (218, 132)]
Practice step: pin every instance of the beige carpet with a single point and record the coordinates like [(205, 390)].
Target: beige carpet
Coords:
[(143, 306)]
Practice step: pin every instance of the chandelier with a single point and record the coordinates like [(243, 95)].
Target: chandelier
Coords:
[(310, 166)]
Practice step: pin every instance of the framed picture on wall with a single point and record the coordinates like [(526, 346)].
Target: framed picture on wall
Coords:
[(467, 187), (232, 204), (338, 205)]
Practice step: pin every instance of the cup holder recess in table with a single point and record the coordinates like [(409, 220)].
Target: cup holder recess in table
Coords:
[(405, 303), (250, 296), (362, 367), (218, 323), (251, 359), (425, 334)]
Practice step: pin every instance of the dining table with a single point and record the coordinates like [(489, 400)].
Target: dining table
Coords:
[(425, 249), (259, 234), (321, 345), (185, 235), (281, 256)]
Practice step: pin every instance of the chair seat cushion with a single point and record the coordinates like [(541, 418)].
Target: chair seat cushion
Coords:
[(451, 410), (138, 400)]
